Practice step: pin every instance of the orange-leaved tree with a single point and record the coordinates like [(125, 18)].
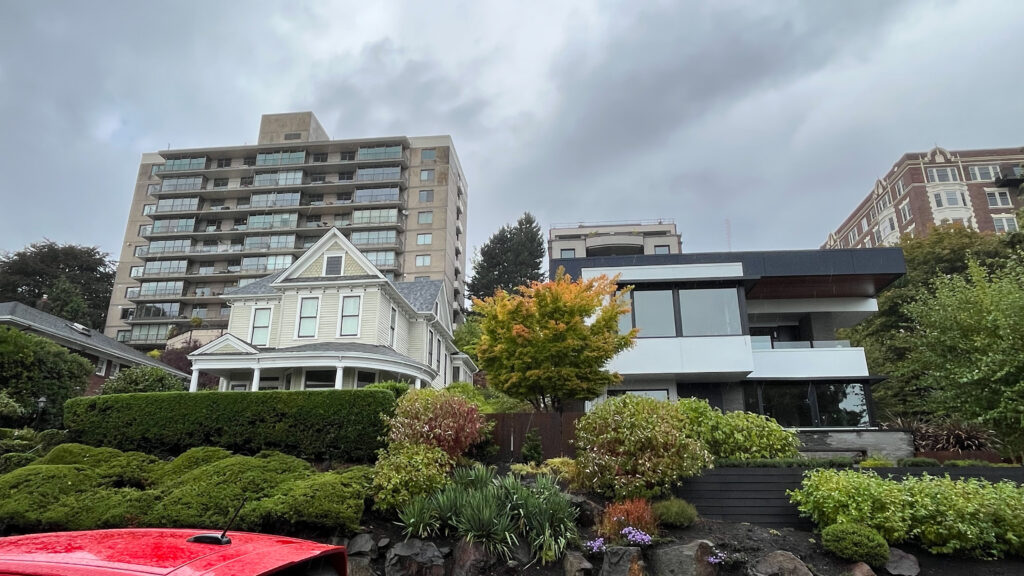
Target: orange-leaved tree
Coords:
[(551, 341)]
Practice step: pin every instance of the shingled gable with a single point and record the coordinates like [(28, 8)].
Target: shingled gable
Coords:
[(226, 344), (332, 243)]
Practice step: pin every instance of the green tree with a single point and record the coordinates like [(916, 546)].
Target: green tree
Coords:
[(551, 341), (467, 336), (65, 301), (510, 258), (944, 251), (26, 275), (177, 358), (143, 379), (34, 368), (965, 348)]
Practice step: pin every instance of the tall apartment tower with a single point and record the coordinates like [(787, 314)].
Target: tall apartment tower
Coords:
[(593, 239), (974, 188), (204, 220)]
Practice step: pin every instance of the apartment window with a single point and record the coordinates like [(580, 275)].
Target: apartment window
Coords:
[(375, 216), (271, 221), (567, 253), (174, 225), (145, 230), (161, 289), (998, 198), (899, 188), (426, 196), (349, 325), (438, 356), (428, 154), (309, 310), (148, 209), (393, 326), (131, 292), (381, 257), (348, 156), (710, 312), (177, 204), (852, 237), (158, 310), (318, 179), (281, 158), (246, 181), (266, 263), (379, 174), (883, 203), (380, 153), (165, 267), (905, 212), (293, 135), (177, 184), (653, 313), (864, 225), (888, 226), (423, 260), (943, 174), (270, 199), (424, 239), (220, 182), (152, 188), (374, 237), (426, 217), (123, 335), (867, 242), (426, 175), (101, 366), (282, 178), (984, 172), (333, 265), (661, 249), (184, 164), (420, 278), (319, 157), (136, 271), (807, 404), (145, 333), (1004, 224), (224, 163), (376, 195), (260, 334)]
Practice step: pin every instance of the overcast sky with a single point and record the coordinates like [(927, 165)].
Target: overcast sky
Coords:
[(772, 119)]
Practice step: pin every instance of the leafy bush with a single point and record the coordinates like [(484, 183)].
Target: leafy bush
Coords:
[(876, 462), (917, 462), (15, 460), (405, 471), (839, 462), (635, 513), (475, 477), (30, 492), (856, 543), (420, 518), (114, 468), (16, 446), (737, 435), (340, 425), (101, 508), (436, 418), (397, 388), (330, 500), (187, 462), (565, 470), (674, 512), (485, 519), (533, 450), (143, 379), (967, 463), (47, 439), (631, 446), (487, 399), (829, 497), (33, 367)]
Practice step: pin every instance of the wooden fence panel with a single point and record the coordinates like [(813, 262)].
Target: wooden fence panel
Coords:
[(556, 431)]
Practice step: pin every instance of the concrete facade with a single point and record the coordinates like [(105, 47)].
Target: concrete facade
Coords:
[(973, 188), (206, 220), (582, 239)]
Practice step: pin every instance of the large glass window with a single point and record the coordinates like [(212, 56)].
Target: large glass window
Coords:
[(710, 312), (376, 195), (380, 153), (280, 241), (425, 217), (373, 237), (280, 157), (319, 379), (266, 263), (308, 311), (274, 199), (165, 267), (943, 174), (379, 174), (789, 404), (349, 316), (381, 257), (161, 289), (260, 327), (841, 404), (998, 198), (165, 246), (809, 404), (984, 172), (654, 313), (178, 184), (177, 204), (381, 216), (143, 333), (183, 164), (158, 310), (174, 225), (268, 221), (282, 178)]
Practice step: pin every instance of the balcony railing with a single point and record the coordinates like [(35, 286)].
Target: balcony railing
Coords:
[(766, 343)]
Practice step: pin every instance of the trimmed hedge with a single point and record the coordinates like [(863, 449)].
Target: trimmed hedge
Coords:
[(343, 425)]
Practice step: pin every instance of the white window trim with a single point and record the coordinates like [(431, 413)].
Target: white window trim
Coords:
[(392, 331), (430, 238), (1000, 194), (252, 321), (332, 255), (1012, 217), (101, 367), (905, 212), (972, 171), (416, 260), (298, 317), (115, 369), (341, 310)]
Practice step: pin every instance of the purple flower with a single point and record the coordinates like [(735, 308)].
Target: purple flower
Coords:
[(636, 537), (594, 546), (717, 558)]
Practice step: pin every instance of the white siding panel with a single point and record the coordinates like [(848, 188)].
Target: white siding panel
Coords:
[(384, 320)]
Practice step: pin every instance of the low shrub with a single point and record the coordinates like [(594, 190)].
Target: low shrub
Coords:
[(631, 446), (330, 500), (193, 458), (14, 460), (532, 451), (876, 462), (101, 508), (917, 462), (437, 418), (114, 468), (13, 446), (406, 471), (397, 388), (967, 463), (343, 425), (856, 543), (143, 379), (736, 435), (839, 462), (674, 513), (829, 497), (635, 513), (488, 400), (476, 477), (48, 439), (30, 492)]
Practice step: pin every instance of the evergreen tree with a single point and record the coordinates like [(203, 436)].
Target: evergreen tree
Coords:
[(65, 301), (510, 258)]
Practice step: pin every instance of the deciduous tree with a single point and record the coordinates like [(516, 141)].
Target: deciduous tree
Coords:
[(551, 341), (34, 370)]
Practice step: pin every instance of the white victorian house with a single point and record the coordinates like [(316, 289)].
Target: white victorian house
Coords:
[(332, 320)]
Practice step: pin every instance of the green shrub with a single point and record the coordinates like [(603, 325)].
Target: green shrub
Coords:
[(856, 543), (486, 520), (143, 379), (631, 446), (876, 462), (476, 477), (406, 471), (30, 492), (437, 418), (917, 462), (674, 513), (547, 518), (16, 446), (839, 462), (967, 463), (114, 468), (48, 439), (101, 508), (419, 517), (207, 495), (533, 449), (488, 400), (397, 388), (342, 425), (193, 458), (955, 517), (14, 460), (829, 497), (330, 500), (736, 435)]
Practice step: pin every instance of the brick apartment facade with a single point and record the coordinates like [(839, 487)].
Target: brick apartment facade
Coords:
[(974, 188)]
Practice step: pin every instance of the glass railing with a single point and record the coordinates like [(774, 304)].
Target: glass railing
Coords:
[(766, 343)]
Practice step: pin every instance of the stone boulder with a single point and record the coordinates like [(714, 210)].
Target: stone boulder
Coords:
[(362, 544), (682, 559), (860, 569), (414, 557), (360, 566), (588, 511), (574, 564), (470, 559), (779, 563), (622, 561), (902, 564)]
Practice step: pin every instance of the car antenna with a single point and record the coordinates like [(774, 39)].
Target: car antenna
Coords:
[(222, 538)]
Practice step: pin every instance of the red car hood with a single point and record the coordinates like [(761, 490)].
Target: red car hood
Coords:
[(155, 551)]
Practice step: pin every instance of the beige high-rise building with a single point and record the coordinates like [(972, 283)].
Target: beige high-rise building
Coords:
[(204, 220)]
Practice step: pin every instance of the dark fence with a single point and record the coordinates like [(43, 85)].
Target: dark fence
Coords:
[(758, 495), (556, 431)]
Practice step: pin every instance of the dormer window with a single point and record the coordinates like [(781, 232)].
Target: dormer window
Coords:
[(332, 265)]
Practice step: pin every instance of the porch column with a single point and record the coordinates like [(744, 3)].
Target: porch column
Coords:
[(222, 385), (193, 386), (256, 379), (417, 383), (338, 377)]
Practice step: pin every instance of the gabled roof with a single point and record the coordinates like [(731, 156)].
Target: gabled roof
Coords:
[(420, 294), (64, 333), (332, 238), (226, 344), (257, 287)]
